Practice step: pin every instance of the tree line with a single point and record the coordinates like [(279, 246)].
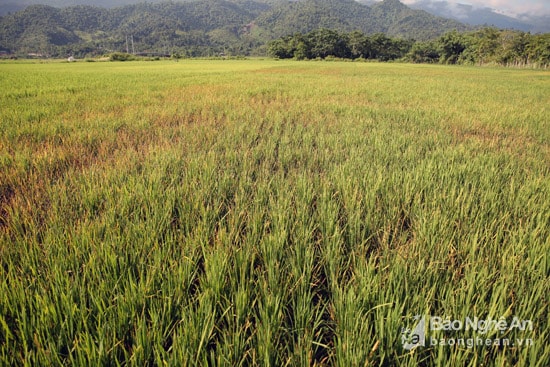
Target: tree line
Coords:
[(483, 46)]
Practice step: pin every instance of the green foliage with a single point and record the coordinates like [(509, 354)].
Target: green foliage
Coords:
[(121, 56), (323, 43), (308, 15), (389, 17), (484, 46), (386, 49), (424, 52), (204, 27), (451, 47), (537, 48), (493, 46), (159, 26)]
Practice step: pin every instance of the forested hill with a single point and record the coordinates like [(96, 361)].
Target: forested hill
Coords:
[(389, 16), (203, 26)]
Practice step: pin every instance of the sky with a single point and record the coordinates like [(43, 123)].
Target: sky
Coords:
[(507, 7)]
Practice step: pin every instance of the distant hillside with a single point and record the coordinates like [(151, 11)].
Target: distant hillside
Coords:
[(402, 21), (484, 16), (389, 16), (205, 26), (152, 27), (306, 15), (11, 6)]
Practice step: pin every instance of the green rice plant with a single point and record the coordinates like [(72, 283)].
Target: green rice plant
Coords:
[(262, 212)]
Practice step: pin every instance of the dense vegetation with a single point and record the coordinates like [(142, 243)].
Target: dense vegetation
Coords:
[(16, 5), (323, 43), (206, 27), (270, 213), (484, 46), (390, 17)]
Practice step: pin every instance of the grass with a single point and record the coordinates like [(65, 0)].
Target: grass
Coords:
[(270, 213)]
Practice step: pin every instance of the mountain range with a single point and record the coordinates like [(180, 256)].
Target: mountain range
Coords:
[(204, 26), (464, 13), (481, 16)]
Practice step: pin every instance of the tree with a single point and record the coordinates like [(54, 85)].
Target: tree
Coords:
[(451, 47), (359, 45), (325, 42), (424, 52), (384, 48), (513, 46), (538, 50), (300, 47), (279, 49), (484, 45)]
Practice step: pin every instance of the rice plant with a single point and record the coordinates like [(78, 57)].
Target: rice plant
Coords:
[(273, 213)]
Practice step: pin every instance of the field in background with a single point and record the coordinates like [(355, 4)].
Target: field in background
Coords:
[(270, 213)]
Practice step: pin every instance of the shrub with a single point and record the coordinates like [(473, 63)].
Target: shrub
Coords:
[(121, 56)]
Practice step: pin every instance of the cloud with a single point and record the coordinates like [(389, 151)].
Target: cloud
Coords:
[(508, 7), (458, 11)]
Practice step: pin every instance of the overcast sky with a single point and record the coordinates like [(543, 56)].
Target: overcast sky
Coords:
[(505, 6)]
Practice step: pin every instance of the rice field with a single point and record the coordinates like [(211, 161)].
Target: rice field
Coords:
[(273, 213)]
